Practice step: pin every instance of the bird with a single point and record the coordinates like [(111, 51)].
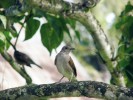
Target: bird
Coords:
[(22, 58), (65, 64)]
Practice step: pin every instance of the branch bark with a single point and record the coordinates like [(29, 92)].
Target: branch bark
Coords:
[(89, 89)]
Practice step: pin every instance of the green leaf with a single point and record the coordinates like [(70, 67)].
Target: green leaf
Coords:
[(7, 34), (7, 3), (127, 9), (2, 37), (17, 19), (59, 22), (64, 26), (3, 20), (71, 22), (124, 63), (50, 37), (46, 33), (77, 34), (31, 28), (2, 43)]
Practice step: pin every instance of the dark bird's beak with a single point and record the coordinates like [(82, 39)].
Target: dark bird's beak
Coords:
[(72, 48)]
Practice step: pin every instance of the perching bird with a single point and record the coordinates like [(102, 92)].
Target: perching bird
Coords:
[(65, 65), (22, 58)]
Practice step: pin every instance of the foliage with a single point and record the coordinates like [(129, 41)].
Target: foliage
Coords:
[(51, 32), (125, 52), (31, 27), (7, 3)]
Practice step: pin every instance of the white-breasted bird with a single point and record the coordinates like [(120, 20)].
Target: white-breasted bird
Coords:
[(65, 64)]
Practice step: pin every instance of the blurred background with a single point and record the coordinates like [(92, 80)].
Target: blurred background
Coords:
[(88, 63)]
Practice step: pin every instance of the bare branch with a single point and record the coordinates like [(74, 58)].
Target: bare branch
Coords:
[(89, 89)]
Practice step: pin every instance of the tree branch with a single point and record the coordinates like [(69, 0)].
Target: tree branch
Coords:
[(89, 89)]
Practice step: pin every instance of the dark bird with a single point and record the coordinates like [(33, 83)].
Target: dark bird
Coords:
[(65, 64), (22, 58)]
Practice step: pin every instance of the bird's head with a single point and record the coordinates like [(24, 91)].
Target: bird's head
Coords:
[(67, 49)]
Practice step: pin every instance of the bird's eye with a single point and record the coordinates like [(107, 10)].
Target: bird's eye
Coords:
[(66, 47)]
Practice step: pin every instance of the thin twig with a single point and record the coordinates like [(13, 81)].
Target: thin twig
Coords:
[(26, 19), (18, 34), (11, 44)]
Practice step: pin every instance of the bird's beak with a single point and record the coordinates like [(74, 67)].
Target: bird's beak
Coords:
[(72, 48)]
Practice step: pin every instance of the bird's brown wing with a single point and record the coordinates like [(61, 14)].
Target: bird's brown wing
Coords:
[(71, 63)]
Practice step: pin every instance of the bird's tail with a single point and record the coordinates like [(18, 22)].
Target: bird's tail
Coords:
[(38, 65)]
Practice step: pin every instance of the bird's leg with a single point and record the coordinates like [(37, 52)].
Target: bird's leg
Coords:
[(60, 79), (23, 68)]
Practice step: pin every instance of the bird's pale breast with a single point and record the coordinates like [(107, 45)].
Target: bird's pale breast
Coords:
[(62, 64)]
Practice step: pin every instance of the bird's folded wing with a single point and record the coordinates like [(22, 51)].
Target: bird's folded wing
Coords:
[(71, 63), (23, 57)]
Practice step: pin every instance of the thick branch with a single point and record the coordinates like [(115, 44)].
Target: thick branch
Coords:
[(89, 89), (26, 5), (17, 67)]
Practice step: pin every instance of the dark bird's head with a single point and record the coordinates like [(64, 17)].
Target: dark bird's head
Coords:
[(67, 49)]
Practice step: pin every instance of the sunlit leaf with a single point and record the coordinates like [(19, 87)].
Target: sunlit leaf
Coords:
[(7, 34), (2, 43), (3, 20)]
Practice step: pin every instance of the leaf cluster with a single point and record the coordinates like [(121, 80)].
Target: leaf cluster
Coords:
[(52, 31), (125, 51)]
